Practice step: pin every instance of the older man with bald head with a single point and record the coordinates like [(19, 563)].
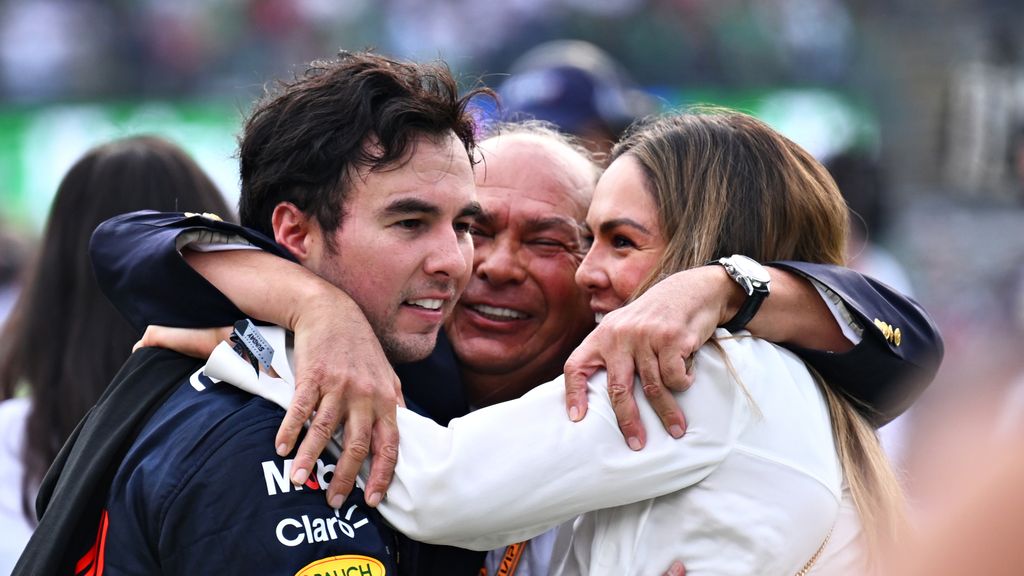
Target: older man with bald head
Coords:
[(522, 313)]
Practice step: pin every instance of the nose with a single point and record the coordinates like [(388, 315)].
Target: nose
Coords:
[(500, 262), (449, 255), (591, 275)]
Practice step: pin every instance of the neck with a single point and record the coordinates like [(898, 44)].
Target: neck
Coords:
[(484, 389)]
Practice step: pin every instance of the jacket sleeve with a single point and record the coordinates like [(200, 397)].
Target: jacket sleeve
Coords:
[(884, 373), (139, 267)]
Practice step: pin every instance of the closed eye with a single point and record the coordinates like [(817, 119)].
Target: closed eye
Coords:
[(547, 242)]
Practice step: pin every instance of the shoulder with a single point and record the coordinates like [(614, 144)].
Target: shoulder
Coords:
[(201, 416), (203, 477), (182, 436), (743, 358)]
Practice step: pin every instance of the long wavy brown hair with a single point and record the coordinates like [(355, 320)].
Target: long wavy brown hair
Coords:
[(726, 183)]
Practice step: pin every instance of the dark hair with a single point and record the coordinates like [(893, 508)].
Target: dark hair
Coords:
[(301, 144), (64, 341), (861, 180)]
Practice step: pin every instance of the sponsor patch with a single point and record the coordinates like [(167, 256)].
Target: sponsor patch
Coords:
[(307, 530), (277, 477), (348, 565)]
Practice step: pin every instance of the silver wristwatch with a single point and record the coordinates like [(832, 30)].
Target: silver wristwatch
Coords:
[(754, 279)]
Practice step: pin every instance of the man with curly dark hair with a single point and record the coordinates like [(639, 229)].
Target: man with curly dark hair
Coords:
[(360, 170)]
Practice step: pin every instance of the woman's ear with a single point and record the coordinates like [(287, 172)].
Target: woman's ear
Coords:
[(295, 231)]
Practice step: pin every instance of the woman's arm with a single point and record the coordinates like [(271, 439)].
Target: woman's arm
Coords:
[(652, 336), (513, 470)]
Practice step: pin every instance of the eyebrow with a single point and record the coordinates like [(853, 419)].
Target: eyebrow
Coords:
[(555, 223), (609, 225), (411, 206), (404, 206), (471, 210), (487, 218)]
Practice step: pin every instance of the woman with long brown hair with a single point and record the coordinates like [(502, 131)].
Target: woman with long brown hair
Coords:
[(63, 341)]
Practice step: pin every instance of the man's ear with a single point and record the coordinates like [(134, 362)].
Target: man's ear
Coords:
[(295, 231)]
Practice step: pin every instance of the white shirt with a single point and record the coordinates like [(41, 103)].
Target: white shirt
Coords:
[(16, 527), (752, 488)]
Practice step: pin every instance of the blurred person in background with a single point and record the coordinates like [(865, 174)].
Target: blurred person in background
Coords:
[(64, 341), (579, 88), (862, 183), (1017, 162), (14, 254), (975, 524)]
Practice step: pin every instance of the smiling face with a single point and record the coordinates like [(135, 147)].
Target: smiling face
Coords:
[(403, 250), (522, 313), (628, 241)]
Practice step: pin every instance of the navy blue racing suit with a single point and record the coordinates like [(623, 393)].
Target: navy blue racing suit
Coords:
[(201, 491)]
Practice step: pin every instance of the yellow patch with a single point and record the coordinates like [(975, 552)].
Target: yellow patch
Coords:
[(348, 565)]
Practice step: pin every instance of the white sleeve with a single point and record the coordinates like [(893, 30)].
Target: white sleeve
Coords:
[(852, 329), (202, 240), (513, 470)]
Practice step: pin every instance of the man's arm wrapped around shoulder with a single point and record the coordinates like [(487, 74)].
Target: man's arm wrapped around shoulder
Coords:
[(900, 348), (138, 264)]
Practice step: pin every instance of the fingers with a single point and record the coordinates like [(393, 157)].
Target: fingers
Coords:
[(195, 342), (301, 409), (659, 397), (620, 391), (675, 371), (676, 569), (355, 449), (576, 375), (324, 422), (385, 457)]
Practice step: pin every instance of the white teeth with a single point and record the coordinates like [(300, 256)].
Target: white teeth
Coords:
[(598, 317), (428, 303), (500, 312)]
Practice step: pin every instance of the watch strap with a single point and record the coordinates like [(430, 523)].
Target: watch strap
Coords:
[(746, 312)]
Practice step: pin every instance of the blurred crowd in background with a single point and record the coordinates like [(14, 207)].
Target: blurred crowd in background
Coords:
[(917, 107)]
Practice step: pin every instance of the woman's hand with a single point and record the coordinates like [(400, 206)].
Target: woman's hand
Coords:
[(194, 342), (676, 569), (654, 336)]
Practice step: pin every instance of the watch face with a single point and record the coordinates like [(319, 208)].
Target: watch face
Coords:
[(750, 268)]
